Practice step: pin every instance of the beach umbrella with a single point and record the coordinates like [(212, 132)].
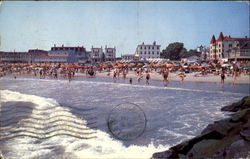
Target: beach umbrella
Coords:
[(169, 65), (33, 65), (45, 65), (70, 66), (193, 66)]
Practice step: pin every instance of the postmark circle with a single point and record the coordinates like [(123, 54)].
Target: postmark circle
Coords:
[(127, 121)]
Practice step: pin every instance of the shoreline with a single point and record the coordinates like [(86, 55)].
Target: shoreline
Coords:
[(244, 79)]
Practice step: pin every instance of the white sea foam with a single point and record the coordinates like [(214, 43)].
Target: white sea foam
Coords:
[(104, 146)]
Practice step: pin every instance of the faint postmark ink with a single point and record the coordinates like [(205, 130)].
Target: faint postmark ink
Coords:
[(127, 121), (18, 119)]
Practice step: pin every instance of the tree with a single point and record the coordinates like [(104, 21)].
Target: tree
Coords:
[(191, 52), (183, 52), (173, 51)]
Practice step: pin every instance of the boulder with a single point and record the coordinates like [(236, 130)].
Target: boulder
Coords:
[(240, 115), (184, 147), (238, 149), (242, 104), (245, 134), (204, 149), (223, 127), (166, 154)]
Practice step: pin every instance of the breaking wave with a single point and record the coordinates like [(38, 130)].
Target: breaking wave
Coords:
[(38, 127)]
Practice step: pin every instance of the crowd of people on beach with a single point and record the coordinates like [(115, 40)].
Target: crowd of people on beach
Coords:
[(142, 70)]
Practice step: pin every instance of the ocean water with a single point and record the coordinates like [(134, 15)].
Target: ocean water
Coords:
[(173, 114)]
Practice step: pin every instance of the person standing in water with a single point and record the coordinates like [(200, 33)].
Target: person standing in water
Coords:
[(130, 81), (222, 77), (165, 77), (182, 76), (147, 78), (114, 76)]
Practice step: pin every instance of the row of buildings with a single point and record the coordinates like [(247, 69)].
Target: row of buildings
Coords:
[(60, 54), (225, 47)]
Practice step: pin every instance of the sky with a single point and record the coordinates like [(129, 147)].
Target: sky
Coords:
[(34, 24)]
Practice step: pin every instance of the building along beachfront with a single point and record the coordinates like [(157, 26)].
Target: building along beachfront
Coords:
[(230, 48)]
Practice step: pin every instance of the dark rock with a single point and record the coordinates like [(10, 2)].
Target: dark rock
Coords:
[(223, 127), (247, 125), (245, 134), (204, 148), (240, 115), (166, 154), (220, 154), (184, 147), (238, 149), (242, 104)]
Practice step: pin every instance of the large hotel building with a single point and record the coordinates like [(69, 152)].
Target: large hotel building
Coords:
[(230, 48)]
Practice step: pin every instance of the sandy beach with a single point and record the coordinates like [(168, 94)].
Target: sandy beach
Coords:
[(243, 79)]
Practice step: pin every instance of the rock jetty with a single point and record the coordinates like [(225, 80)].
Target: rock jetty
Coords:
[(226, 138)]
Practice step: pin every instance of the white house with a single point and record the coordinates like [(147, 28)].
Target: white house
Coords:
[(96, 54), (110, 54), (148, 51)]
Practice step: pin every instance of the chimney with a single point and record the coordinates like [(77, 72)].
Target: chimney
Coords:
[(229, 36), (62, 45), (54, 45), (142, 43), (246, 37)]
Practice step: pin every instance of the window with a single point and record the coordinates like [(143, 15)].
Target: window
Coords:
[(157, 53), (152, 47), (145, 53), (141, 47), (153, 53), (219, 45), (145, 47), (230, 45), (148, 47), (158, 47)]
